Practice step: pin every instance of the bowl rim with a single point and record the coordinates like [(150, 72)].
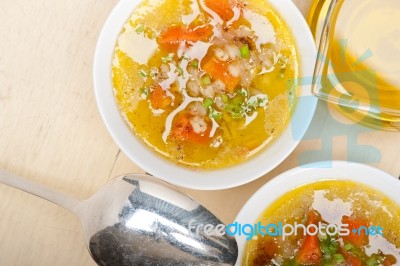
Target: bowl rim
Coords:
[(309, 173), (168, 171)]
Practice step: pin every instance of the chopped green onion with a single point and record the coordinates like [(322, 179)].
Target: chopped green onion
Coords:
[(327, 258), (372, 262), (180, 71), (167, 58), (348, 247), (238, 100), (224, 98), (206, 80), (376, 259), (237, 115), (234, 108), (216, 115), (229, 107), (144, 93), (244, 51), (325, 249), (208, 102), (323, 236), (153, 75), (243, 92), (339, 258), (194, 63), (334, 247), (143, 73), (139, 29)]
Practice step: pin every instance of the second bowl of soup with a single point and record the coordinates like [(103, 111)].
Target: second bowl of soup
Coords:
[(333, 213)]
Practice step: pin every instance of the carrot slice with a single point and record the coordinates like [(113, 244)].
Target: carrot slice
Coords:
[(219, 70), (352, 260), (175, 35), (310, 252), (159, 98), (356, 239), (389, 260), (183, 131), (266, 251), (222, 7)]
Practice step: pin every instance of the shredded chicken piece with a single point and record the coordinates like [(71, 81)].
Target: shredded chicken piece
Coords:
[(219, 87), (198, 124), (197, 109), (193, 88), (208, 91)]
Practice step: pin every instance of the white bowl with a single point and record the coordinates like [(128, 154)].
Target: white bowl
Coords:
[(338, 170), (164, 169)]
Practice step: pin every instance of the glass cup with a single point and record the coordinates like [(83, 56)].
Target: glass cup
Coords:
[(358, 65)]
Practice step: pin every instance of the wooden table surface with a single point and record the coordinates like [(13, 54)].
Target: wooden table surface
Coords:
[(52, 134)]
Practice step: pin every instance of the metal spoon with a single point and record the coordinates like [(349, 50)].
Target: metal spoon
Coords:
[(138, 220)]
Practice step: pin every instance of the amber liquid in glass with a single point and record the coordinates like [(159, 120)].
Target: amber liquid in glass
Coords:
[(362, 61)]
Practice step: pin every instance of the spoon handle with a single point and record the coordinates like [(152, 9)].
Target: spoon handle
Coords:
[(43, 192)]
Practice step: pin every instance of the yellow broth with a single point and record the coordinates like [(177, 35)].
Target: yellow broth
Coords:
[(212, 102), (334, 201), (367, 65)]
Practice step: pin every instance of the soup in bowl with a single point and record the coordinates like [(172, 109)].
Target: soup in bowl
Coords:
[(204, 94), (340, 214)]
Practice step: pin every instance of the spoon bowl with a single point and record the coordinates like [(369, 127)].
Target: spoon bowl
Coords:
[(139, 220)]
